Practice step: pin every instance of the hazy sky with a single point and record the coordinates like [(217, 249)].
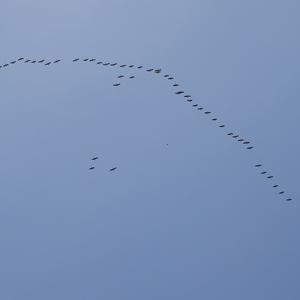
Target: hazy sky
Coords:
[(191, 220)]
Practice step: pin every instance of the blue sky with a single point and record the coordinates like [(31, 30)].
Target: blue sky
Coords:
[(190, 220)]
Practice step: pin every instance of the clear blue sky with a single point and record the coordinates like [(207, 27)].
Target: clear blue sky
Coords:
[(192, 220)]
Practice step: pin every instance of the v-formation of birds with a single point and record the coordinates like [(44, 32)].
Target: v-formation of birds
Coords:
[(170, 78)]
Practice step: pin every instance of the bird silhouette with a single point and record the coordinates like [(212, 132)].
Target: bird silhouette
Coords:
[(113, 169)]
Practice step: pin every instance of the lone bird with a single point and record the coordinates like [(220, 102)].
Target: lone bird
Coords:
[(113, 169), (91, 168), (116, 84)]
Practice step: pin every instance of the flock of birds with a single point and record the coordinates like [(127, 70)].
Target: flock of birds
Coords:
[(93, 167), (178, 92)]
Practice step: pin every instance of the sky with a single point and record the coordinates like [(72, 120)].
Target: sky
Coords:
[(186, 215)]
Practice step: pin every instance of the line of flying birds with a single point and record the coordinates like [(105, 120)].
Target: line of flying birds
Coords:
[(186, 96)]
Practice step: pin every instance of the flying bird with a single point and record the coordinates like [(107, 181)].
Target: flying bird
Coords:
[(99, 62), (122, 66), (200, 108), (258, 165), (120, 76), (131, 66), (275, 186), (240, 140), (95, 158), (92, 59), (149, 70), (264, 172), (246, 143), (175, 84), (41, 61), (113, 169), (26, 61), (91, 168), (139, 67), (187, 96), (171, 78), (207, 112), (214, 119), (13, 62), (280, 193), (222, 126), (195, 105), (249, 148), (289, 199), (131, 77), (33, 62), (114, 64), (157, 71), (21, 58), (269, 177), (116, 84), (76, 59), (47, 64), (179, 92), (235, 136), (230, 133), (189, 100), (86, 59), (166, 75), (106, 64)]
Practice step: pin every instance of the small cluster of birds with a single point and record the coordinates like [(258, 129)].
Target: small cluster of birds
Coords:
[(93, 167), (186, 96)]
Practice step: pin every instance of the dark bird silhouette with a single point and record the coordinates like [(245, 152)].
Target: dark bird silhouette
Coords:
[(131, 77), (275, 186), (26, 61), (289, 199), (92, 59), (246, 143), (187, 96), (280, 193), (200, 108), (195, 105), (106, 64), (13, 62), (258, 165), (171, 78), (240, 140), (149, 70), (264, 172), (179, 92), (214, 119), (166, 75), (41, 61), (131, 66), (120, 76), (47, 64), (249, 148), (86, 59), (33, 62), (269, 177), (91, 168), (175, 84), (222, 126), (230, 133), (113, 169), (114, 64), (122, 66), (99, 62), (189, 100), (76, 59), (95, 158), (157, 71), (207, 112), (140, 67), (6, 65), (235, 136), (116, 84), (21, 58)]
